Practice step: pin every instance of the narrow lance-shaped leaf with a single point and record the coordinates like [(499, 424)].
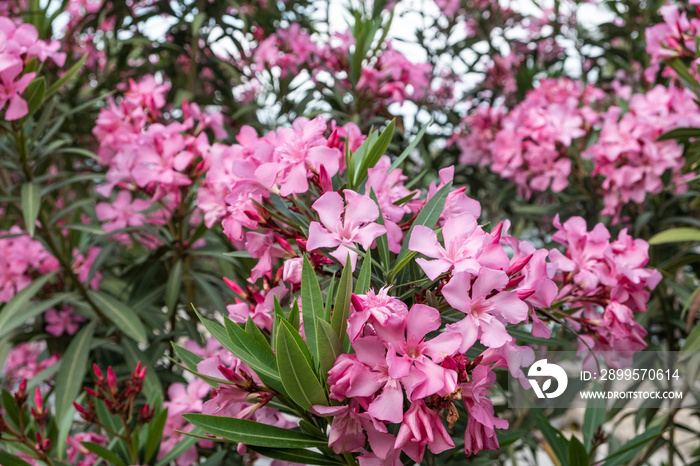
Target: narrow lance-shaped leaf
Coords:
[(341, 308), (120, 315), (253, 433), (74, 363), (31, 203), (172, 288), (311, 305), (330, 346), (365, 277), (296, 372)]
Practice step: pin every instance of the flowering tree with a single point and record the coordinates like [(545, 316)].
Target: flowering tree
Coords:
[(268, 237)]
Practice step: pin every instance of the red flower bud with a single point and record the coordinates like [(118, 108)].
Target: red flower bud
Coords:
[(518, 265)]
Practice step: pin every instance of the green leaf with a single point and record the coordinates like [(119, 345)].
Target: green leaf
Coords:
[(373, 154), (104, 453), (630, 449), (296, 371), (684, 75), (692, 342), (680, 133), (311, 305), (155, 433), (329, 346), (428, 216), (297, 455), (17, 305), (578, 456), (411, 147), (188, 357), (253, 433), (675, 235), (66, 77), (120, 315), (235, 339), (8, 459), (74, 363), (31, 203), (65, 425), (382, 240), (341, 308), (365, 278), (593, 417), (34, 95), (172, 287), (556, 440)]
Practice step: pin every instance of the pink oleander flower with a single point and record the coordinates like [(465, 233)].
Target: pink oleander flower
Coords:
[(377, 309), (487, 313), (351, 429), (186, 398), (83, 264), (421, 428), (343, 224), (122, 213), (482, 422), (416, 360), (264, 247), (467, 248), (63, 321), (299, 153)]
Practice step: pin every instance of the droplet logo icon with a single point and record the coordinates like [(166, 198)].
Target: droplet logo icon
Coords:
[(542, 368)]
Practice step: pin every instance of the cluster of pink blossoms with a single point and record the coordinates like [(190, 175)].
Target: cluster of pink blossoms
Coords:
[(608, 280), (23, 361), (21, 260), (145, 155), (675, 37), (627, 154), (531, 148), (19, 43)]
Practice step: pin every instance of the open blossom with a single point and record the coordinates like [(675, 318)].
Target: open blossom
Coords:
[(123, 212), (62, 321), (299, 152), (486, 312), (343, 224), (467, 248), (675, 37)]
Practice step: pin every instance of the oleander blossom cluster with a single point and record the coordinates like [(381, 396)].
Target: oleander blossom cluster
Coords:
[(151, 162), (19, 44), (674, 37), (530, 147), (607, 282), (628, 156)]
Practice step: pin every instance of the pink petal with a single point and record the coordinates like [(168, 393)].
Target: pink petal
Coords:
[(368, 233), (434, 268), (424, 240), (360, 209), (421, 320), (388, 406), (456, 292), (320, 238), (329, 207), (487, 280)]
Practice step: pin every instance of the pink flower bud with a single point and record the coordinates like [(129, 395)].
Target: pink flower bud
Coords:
[(518, 265)]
